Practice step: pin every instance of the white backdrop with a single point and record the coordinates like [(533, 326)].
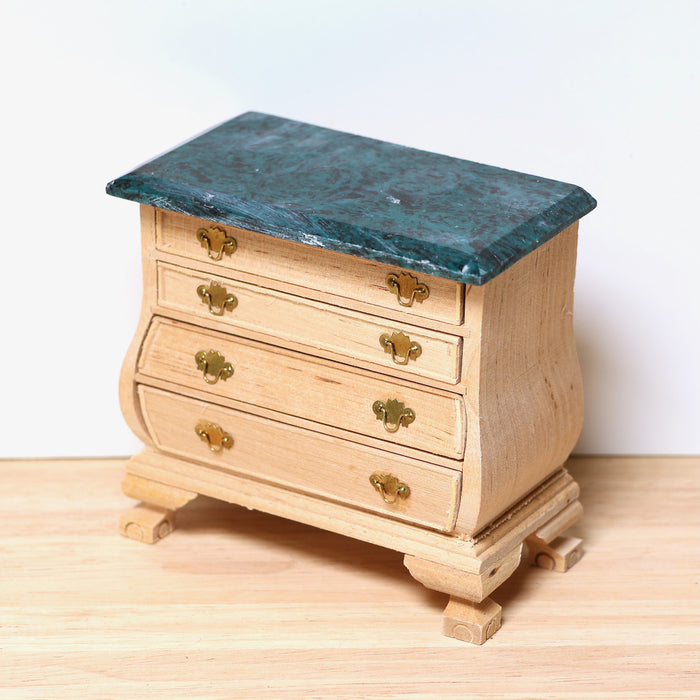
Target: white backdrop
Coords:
[(604, 94)]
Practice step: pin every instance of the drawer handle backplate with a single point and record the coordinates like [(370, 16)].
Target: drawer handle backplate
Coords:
[(213, 365), (407, 288), (401, 347), (217, 298), (217, 242), (214, 435), (393, 414), (389, 487)]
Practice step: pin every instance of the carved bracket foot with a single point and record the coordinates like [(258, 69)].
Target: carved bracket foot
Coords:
[(470, 616), (496, 553), (460, 584)]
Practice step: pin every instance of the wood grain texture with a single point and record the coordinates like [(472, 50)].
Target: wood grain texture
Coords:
[(238, 604)]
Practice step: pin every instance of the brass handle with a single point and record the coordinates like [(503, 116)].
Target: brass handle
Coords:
[(389, 487), (213, 363), (407, 288), (393, 414), (214, 435), (217, 298), (401, 347), (216, 241)]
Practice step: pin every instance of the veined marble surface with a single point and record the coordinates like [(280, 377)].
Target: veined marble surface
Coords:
[(422, 211)]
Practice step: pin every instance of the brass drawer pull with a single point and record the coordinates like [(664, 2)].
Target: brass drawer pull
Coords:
[(393, 414), (401, 347), (216, 298), (213, 364), (389, 487), (407, 288), (214, 435), (217, 242)]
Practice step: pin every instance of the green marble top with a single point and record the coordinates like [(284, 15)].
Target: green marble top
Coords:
[(422, 211)]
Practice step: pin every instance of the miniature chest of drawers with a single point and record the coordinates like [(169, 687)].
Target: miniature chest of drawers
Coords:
[(363, 337)]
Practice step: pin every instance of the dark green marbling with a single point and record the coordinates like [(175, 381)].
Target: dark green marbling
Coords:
[(376, 200)]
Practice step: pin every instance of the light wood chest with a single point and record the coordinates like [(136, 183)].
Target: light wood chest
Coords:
[(370, 339)]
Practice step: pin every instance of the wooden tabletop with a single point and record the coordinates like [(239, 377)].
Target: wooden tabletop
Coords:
[(239, 604)]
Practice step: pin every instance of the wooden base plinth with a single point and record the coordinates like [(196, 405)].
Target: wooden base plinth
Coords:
[(468, 570)]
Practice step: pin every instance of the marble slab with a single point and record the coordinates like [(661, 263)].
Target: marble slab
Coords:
[(426, 212)]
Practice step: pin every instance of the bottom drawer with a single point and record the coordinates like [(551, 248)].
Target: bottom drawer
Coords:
[(301, 459)]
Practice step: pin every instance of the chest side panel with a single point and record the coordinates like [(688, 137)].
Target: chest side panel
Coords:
[(524, 396)]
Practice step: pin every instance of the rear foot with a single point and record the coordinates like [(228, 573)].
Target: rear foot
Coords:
[(147, 523), (559, 555)]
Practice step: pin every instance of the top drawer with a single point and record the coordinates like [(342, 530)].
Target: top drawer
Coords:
[(326, 271)]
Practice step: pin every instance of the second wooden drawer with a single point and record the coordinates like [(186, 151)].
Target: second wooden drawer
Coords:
[(337, 333), (296, 384)]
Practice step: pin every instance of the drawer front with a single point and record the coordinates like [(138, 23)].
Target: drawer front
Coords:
[(295, 384), (302, 459), (343, 335), (314, 268)]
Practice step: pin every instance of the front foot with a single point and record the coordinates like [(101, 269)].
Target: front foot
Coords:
[(471, 622), (470, 616)]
